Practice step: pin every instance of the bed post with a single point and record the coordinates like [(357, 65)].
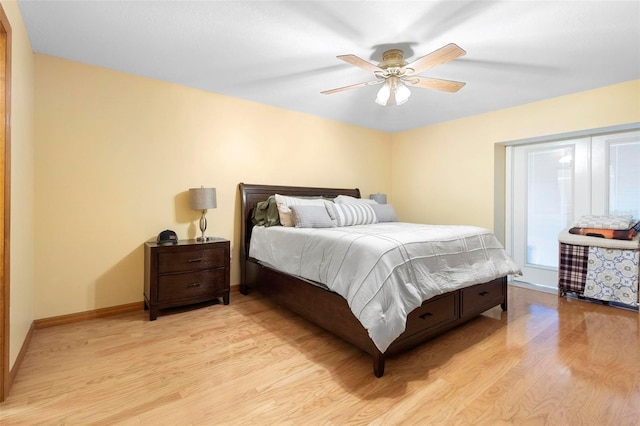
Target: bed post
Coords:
[(244, 288), (378, 363), (504, 305)]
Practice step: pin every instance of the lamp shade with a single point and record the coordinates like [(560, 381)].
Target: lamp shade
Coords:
[(202, 198), (379, 198)]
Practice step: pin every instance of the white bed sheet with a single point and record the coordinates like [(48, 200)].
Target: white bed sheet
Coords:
[(385, 270)]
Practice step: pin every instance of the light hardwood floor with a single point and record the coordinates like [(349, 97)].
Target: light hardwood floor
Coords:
[(546, 361)]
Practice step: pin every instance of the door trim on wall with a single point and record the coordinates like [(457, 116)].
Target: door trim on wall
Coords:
[(5, 199)]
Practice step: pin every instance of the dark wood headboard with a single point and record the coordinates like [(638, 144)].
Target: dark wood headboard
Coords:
[(250, 195)]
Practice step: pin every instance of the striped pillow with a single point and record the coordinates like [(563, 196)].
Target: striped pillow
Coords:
[(347, 199), (352, 214)]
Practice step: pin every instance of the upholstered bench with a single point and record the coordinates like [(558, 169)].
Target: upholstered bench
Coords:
[(599, 268)]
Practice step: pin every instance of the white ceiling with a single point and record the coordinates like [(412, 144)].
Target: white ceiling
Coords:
[(283, 53)]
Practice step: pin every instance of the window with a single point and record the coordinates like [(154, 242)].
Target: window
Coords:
[(553, 183)]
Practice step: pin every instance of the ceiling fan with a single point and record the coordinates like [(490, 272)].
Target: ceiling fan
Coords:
[(395, 73)]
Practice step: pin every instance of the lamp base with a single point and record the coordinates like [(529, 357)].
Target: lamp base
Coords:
[(203, 227)]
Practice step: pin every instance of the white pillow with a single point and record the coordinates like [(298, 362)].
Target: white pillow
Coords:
[(284, 202), (352, 214), (346, 199)]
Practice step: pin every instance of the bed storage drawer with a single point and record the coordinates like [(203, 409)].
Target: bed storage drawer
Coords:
[(432, 314), (477, 297)]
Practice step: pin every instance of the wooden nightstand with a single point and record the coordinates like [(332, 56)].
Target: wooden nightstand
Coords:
[(185, 273)]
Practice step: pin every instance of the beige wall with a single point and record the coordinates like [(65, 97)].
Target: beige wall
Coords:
[(445, 173), (22, 238), (116, 155)]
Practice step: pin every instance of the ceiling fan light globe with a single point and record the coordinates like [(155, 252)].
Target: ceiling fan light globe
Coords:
[(393, 92), (402, 94), (383, 95)]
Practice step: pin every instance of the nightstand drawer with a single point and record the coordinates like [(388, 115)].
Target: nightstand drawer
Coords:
[(193, 284), (190, 260)]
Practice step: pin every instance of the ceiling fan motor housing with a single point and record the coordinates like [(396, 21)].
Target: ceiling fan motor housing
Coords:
[(392, 59)]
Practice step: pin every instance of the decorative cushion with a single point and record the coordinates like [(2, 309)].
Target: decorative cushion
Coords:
[(384, 212), (311, 217), (284, 203), (352, 214), (285, 215), (346, 199), (266, 213)]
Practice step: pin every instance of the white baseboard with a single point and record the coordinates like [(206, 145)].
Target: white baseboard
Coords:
[(533, 286)]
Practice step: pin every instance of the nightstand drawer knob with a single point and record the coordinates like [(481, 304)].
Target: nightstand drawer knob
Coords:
[(195, 260), (193, 285)]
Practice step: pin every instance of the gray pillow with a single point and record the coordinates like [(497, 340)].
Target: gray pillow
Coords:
[(311, 217), (384, 212)]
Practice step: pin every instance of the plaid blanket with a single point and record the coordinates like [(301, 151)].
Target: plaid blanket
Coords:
[(573, 268)]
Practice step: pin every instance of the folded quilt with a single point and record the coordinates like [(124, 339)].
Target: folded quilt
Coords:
[(605, 222), (614, 234), (581, 240)]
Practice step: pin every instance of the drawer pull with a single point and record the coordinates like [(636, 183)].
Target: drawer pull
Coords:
[(195, 260), (483, 293), (426, 315), (193, 285)]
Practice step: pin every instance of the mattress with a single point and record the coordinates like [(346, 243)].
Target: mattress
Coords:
[(385, 270)]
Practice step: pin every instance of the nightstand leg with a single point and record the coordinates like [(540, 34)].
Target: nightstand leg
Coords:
[(153, 313), (225, 299)]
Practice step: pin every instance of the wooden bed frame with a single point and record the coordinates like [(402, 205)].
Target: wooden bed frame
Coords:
[(331, 311)]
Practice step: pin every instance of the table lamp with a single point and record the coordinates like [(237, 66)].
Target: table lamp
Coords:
[(202, 199), (379, 198)]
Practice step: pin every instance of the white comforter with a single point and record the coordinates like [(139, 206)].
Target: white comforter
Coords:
[(386, 270)]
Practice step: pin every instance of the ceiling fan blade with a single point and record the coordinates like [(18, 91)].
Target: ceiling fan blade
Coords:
[(353, 86), (438, 57), (360, 63), (434, 83)]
